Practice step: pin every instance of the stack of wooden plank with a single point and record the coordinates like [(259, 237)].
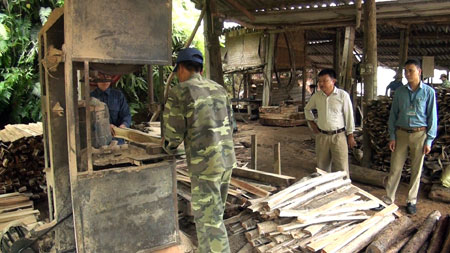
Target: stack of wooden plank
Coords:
[(323, 212), (377, 124), (283, 115), (22, 159), (17, 209)]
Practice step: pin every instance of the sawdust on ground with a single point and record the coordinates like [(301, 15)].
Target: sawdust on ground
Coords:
[(298, 160)]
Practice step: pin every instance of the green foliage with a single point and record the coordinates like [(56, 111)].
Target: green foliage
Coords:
[(20, 21)]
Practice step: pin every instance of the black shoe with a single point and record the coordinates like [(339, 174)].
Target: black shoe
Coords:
[(411, 208), (378, 208)]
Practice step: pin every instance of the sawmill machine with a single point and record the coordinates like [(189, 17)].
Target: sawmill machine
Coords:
[(122, 197)]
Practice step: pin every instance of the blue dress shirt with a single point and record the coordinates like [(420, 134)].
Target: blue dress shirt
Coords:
[(414, 109), (119, 112)]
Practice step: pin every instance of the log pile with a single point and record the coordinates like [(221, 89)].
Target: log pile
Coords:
[(377, 124), (283, 115), (402, 236), (22, 160), (323, 212)]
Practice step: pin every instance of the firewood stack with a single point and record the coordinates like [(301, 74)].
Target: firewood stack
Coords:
[(377, 124), (323, 212), (22, 160)]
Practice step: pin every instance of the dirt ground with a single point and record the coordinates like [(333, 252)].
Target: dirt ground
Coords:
[(298, 160)]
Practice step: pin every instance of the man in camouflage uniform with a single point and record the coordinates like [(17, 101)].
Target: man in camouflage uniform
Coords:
[(198, 112)]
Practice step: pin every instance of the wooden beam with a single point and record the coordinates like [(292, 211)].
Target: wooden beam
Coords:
[(278, 180), (240, 8)]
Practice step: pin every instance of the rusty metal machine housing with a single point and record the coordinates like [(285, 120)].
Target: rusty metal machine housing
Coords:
[(126, 208)]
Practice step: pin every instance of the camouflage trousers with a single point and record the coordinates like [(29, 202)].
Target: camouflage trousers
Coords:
[(209, 194)]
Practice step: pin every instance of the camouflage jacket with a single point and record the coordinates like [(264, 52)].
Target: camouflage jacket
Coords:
[(198, 112)]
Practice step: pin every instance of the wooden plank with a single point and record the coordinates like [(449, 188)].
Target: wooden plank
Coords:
[(359, 229), (135, 135), (297, 224), (301, 186), (10, 216), (249, 188), (319, 190), (278, 180), (317, 245), (16, 206), (26, 220), (320, 210), (13, 200), (7, 195), (365, 238), (370, 196)]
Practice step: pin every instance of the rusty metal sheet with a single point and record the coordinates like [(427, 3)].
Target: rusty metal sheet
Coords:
[(131, 209), (244, 51), (117, 31)]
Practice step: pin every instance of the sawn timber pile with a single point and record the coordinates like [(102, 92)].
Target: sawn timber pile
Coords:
[(377, 124), (22, 160), (322, 212)]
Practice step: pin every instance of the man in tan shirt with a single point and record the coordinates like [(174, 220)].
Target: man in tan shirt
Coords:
[(334, 125)]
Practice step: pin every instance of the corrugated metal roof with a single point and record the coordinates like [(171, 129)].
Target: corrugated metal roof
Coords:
[(428, 22)]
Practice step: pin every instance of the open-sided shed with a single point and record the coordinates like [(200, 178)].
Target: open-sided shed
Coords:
[(340, 33)]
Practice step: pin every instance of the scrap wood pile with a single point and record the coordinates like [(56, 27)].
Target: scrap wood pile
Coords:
[(377, 125), (283, 115), (323, 212), (22, 160), (16, 213), (245, 185)]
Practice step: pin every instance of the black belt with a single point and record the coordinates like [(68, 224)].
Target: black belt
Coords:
[(412, 130), (332, 132)]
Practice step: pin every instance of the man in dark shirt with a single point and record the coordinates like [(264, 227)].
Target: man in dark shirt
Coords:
[(119, 112)]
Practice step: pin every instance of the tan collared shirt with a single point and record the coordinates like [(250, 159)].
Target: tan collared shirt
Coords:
[(334, 111)]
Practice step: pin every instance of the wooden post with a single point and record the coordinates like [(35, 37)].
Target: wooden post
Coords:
[(151, 98), (304, 72), (337, 46), (213, 58), (254, 153), (270, 48), (277, 158), (345, 76), (232, 86), (404, 41), (305, 80), (370, 70), (87, 101)]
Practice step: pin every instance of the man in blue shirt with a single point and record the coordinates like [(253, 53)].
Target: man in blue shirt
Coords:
[(119, 112), (397, 83), (413, 126)]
